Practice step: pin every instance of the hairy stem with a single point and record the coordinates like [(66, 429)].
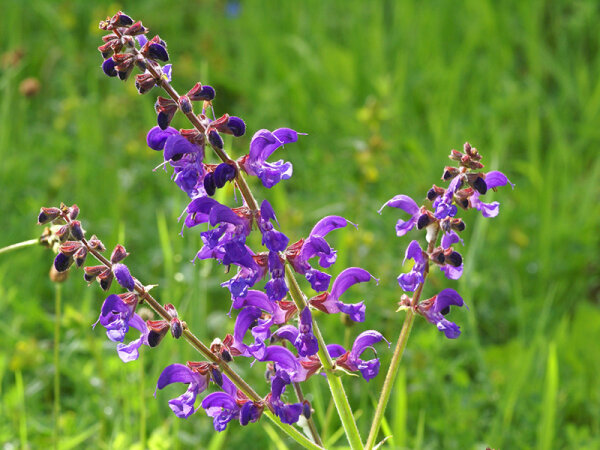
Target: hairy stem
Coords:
[(56, 359), (392, 372), (19, 245), (335, 383), (311, 422)]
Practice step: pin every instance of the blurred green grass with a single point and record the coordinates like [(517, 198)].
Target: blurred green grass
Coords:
[(384, 89)]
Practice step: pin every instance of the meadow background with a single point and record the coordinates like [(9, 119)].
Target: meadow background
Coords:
[(384, 90)]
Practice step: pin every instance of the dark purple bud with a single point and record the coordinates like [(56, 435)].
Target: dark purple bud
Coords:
[(121, 20), (454, 259), (223, 173), (431, 194), (135, 29), (124, 74), (445, 311), (164, 119), (216, 376), (118, 254), (176, 328), (73, 212), (62, 262), (457, 224), (226, 356), (88, 278), (449, 173), (185, 104), (158, 330), (70, 247), (105, 279), (144, 82), (94, 271), (306, 409), (209, 184), (80, 256), (215, 139), (199, 92), (171, 310), (437, 256), (108, 67), (480, 185), (76, 230), (48, 215), (237, 126), (423, 221), (157, 51)]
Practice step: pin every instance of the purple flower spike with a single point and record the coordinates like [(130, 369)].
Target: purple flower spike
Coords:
[(435, 308), (407, 205), (262, 145), (157, 138), (183, 406), (123, 276)]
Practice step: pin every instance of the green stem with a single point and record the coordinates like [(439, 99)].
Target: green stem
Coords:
[(310, 420), (335, 383), (390, 377), (19, 245), (57, 320), (142, 386)]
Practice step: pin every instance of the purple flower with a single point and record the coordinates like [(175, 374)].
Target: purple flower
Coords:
[(156, 138), (287, 413), (486, 209), (123, 276), (262, 145), (449, 238), (496, 179), (131, 352), (274, 240), (276, 287), (247, 319), (115, 316), (351, 360), (330, 303), (443, 205), (315, 244), (407, 205), (222, 406), (435, 308), (409, 281), (306, 342), (183, 406)]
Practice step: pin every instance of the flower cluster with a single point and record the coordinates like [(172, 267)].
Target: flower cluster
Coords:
[(272, 325), (467, 184)]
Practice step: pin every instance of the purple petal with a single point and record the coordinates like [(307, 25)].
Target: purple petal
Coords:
[(450, 238), (403, 202), (409, 281), (403, 227), (288, 332), (495, 179), (356, 311), (447, 297), (267, 213), (178, 145), (175, 373), (451, 272), (246, 317), (347, 278), (218, 400), (319, 281), (286, 135), (167, 69), (335, 350), (156, 138), (365, 339), (263, 143), (327, 224), (415, 252)]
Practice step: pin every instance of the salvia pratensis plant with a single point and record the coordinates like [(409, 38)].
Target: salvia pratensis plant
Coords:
[(276, 323)]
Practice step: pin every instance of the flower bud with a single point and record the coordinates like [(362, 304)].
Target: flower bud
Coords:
[(73, 212), (62, 262), (306, 409), (223, 173), (209, 184), (176, 328), (118, 254), (96, 244), (80, 256), (123, 276), (216, 376), (105, 279), (76, 230), (185, 104), (199, 92), (215, 139), (158, 330), (48, 215), (70, 247), (454, 259), (158, 52), (62, 233)]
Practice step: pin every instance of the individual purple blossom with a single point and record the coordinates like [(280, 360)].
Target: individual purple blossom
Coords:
[(287, 413), (262, 145), (408, 205), (306, 342), (329, 302), (131, 352), (183, 406), (246, 320), (156, 137), (274, 240), (222, 406), (276, 287), (115, 315), (409, 281), (315, 244), (449, 238), (352, 360), (435, 308)]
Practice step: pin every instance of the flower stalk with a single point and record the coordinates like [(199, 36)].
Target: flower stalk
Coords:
[(335, 383)]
